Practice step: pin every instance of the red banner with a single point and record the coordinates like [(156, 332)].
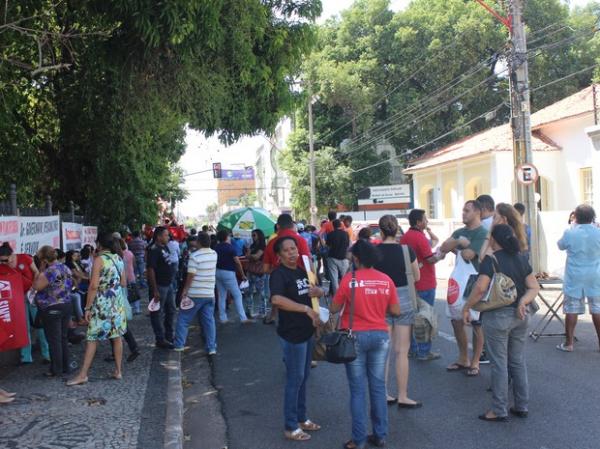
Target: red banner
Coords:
[(13, 327)]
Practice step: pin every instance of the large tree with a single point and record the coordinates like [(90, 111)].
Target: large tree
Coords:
[(96, 93), (425, 76)]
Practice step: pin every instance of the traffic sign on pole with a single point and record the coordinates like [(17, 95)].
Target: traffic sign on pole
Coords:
[(527, 174)]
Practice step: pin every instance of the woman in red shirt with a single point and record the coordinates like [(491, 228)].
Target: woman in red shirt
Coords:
[(374, 296)]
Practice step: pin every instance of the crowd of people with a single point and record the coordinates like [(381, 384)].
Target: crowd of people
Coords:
[(372, 285)]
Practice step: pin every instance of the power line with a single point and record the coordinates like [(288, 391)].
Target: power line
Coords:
[(405, 125), (401, 126), (566, 77), (471, 121), (385, 97), (446, 87), (412, 75), (412, 150)]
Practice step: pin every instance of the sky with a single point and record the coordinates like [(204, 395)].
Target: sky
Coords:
[(202, 152)]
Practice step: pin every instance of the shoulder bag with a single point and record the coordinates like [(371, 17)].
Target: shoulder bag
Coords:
[(425, 325), (502, 291), (340, 345)]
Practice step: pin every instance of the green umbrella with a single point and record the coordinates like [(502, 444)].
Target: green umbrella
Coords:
[(241, 222)]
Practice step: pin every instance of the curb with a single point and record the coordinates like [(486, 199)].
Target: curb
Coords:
[(174, 419)]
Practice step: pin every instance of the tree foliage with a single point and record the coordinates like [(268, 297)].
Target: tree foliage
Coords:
[(430, 70), (96, 94)]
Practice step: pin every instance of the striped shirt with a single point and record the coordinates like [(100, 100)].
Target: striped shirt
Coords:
[(203, 264)]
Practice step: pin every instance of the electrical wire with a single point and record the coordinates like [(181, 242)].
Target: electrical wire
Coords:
[(406, 125), (471, 121), (539, 50), (565, 77), (452, 131), (402, 83)]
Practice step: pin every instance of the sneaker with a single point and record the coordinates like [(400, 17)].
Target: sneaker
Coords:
[(178, 349), (213, 352), (164, 345), (429, 356), (483, 360)]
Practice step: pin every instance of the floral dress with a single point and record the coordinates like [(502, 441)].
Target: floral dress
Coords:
[(108, 311)]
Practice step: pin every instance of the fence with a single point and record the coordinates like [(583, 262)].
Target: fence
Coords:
[(10, 207)]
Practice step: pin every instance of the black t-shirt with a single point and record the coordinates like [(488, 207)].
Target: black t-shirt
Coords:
[(338, 243), (158, 260), (392, 262), (515, 267), (294, 327)]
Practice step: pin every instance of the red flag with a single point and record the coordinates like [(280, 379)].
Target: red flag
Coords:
[(13, 327)]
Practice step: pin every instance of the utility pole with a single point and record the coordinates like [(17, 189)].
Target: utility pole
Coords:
[(521, 121), (311, 147)]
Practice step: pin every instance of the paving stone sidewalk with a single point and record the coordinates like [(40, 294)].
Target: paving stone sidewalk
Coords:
[(102, 414)]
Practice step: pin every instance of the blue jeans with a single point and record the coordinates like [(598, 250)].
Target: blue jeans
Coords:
[(140, 267), (206, 307), (297, 358), (163, 319), (227, 282), (368, 368), (26, 357), (259, 284), (422, 349)]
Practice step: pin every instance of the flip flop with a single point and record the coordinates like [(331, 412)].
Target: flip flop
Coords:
[(309, 425), (472, 372), (73, 382), (456, 367), (564, 348), (297, 435), (494, 419)]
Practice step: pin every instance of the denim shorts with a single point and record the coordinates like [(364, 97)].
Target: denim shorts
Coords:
[(577, 305), (407, 314)]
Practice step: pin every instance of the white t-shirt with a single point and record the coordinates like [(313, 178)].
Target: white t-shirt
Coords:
[(487, 222), (203, 264)]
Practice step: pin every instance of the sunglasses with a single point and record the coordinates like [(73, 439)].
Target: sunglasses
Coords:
[(4, 260)]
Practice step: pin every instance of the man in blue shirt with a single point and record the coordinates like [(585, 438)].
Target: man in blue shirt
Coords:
[(582, 272)]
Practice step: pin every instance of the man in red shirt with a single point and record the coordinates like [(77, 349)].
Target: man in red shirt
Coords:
[(285, 227), (415, 238), (23, 264)]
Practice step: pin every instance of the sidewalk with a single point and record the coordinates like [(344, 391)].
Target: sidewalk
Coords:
[(101, 414)]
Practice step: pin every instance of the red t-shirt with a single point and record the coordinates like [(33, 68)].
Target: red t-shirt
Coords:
[(420, 245), (375, 292), (326, 228), (23, 267), (273, 259)]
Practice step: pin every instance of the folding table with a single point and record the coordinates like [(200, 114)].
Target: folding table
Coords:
[(553, 305)]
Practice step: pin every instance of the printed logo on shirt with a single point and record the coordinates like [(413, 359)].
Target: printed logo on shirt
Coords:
[(302, 285)]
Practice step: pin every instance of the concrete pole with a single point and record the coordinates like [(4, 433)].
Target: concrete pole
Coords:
[(521, 122)]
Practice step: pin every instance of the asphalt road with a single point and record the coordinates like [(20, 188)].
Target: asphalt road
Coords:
[(249, 376)]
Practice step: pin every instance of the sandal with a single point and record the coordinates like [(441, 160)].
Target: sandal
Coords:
[(73, 382), (352, 445), (564, 348), (297, 435), (115, 376), (309, 425), (485, 417), (472, 372), (456, 367)]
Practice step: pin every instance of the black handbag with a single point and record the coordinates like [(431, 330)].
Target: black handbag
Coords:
[(340, 345)]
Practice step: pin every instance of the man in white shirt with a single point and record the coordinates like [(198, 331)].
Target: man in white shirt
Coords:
[(488, 207), (199, 288)]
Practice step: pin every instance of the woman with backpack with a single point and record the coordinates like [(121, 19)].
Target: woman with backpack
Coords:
[(505, 328)]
